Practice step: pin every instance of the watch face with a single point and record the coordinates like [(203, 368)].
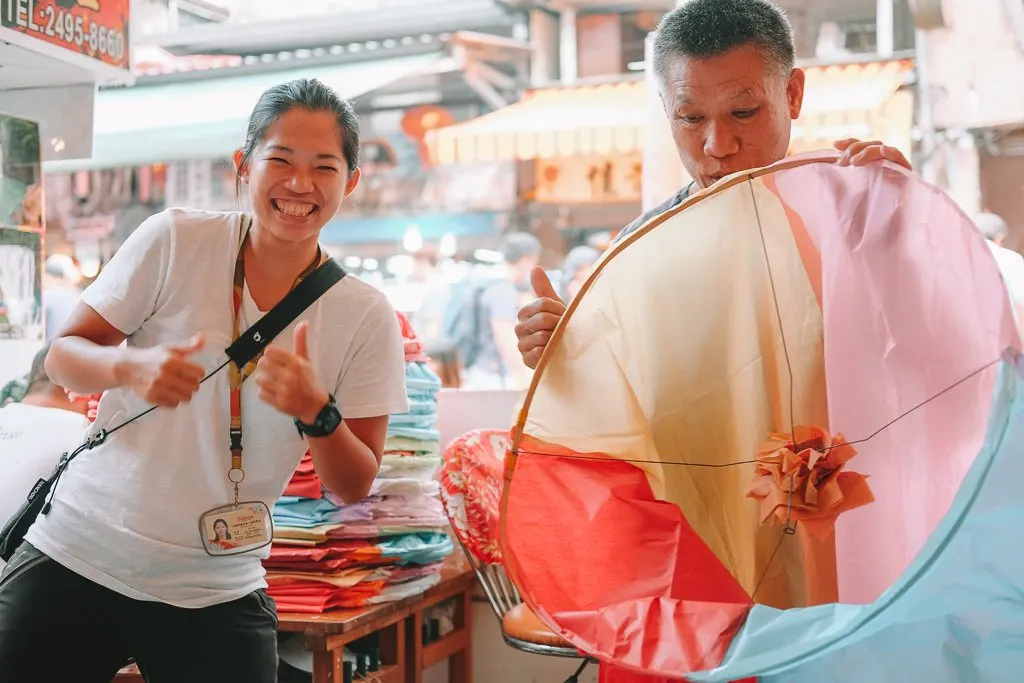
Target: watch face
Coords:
[(329, 419), (325, 423)]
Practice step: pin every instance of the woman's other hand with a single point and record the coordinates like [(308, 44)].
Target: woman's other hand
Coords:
[(164, 375), (87, 357), (287, 381)]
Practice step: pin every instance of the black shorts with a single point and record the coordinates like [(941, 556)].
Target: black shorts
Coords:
[(58, 626)]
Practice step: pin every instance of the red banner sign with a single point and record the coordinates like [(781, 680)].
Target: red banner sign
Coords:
[(94, 28)]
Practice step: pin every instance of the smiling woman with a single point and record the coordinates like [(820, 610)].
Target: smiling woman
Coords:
[(300, 125), (121, 543)]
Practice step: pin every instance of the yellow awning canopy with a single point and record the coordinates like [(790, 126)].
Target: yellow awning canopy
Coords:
[(549, 123), (839, 101), (855, 101)]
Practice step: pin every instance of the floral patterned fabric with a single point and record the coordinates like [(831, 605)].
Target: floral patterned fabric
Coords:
[(471, 477)]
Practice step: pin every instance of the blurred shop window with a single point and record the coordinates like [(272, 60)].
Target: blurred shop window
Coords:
[(144, 184), (833, 31), (159, 188), (81, 184), (609, 44), (635, 28), (202, 184), (222, 180), (599, 45)]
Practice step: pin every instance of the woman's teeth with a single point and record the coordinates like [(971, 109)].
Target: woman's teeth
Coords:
[(298, 209)]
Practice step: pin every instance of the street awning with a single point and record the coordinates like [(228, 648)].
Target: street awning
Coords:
[(207, 118), (549, 123), (839, 101), (855, 101)]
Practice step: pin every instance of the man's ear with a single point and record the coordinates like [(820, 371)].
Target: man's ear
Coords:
[(795, 93), (353, 181)]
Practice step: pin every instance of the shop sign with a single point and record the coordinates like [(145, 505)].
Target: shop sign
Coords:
[(589, 179), (94, 28)]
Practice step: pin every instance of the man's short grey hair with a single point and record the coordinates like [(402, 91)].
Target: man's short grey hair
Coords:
[(990, 225), (520, 245), (708, 28)]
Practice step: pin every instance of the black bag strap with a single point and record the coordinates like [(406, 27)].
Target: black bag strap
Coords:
[(250, 343), (253, 340)]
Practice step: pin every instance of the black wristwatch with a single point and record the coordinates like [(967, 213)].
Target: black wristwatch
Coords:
[(326, 422)]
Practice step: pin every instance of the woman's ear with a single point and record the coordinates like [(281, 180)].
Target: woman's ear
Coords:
[(353, 181), (241, 166)]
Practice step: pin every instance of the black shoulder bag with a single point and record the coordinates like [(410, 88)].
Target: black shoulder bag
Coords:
[(243, 350)]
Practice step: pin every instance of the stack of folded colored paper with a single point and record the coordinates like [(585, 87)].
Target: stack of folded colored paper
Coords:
[(354, 572), (305, 483), (327, 554)]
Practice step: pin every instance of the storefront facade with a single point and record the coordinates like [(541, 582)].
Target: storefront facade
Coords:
[(52, 58), (975, 106)]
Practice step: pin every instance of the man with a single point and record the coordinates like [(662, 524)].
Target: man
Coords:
[(1010, 263), (726, 76), (33, 434)]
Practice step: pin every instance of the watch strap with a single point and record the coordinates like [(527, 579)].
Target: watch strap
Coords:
[(326, 422)]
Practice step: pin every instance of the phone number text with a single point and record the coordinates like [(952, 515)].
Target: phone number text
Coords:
[(79, 31)]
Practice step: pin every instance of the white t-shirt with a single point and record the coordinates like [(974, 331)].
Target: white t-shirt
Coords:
[(32, 439), (126, 515)]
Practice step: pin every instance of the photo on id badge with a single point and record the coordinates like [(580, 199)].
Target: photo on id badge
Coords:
[(236, 529)]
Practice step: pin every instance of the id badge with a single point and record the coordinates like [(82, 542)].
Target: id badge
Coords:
[(236, 529)]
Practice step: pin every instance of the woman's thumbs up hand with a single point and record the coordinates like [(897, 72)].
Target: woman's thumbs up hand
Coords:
[(164, 375), (287, 381)]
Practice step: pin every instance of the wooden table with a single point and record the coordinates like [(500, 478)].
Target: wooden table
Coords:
[(399, 626), (404, 658)]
